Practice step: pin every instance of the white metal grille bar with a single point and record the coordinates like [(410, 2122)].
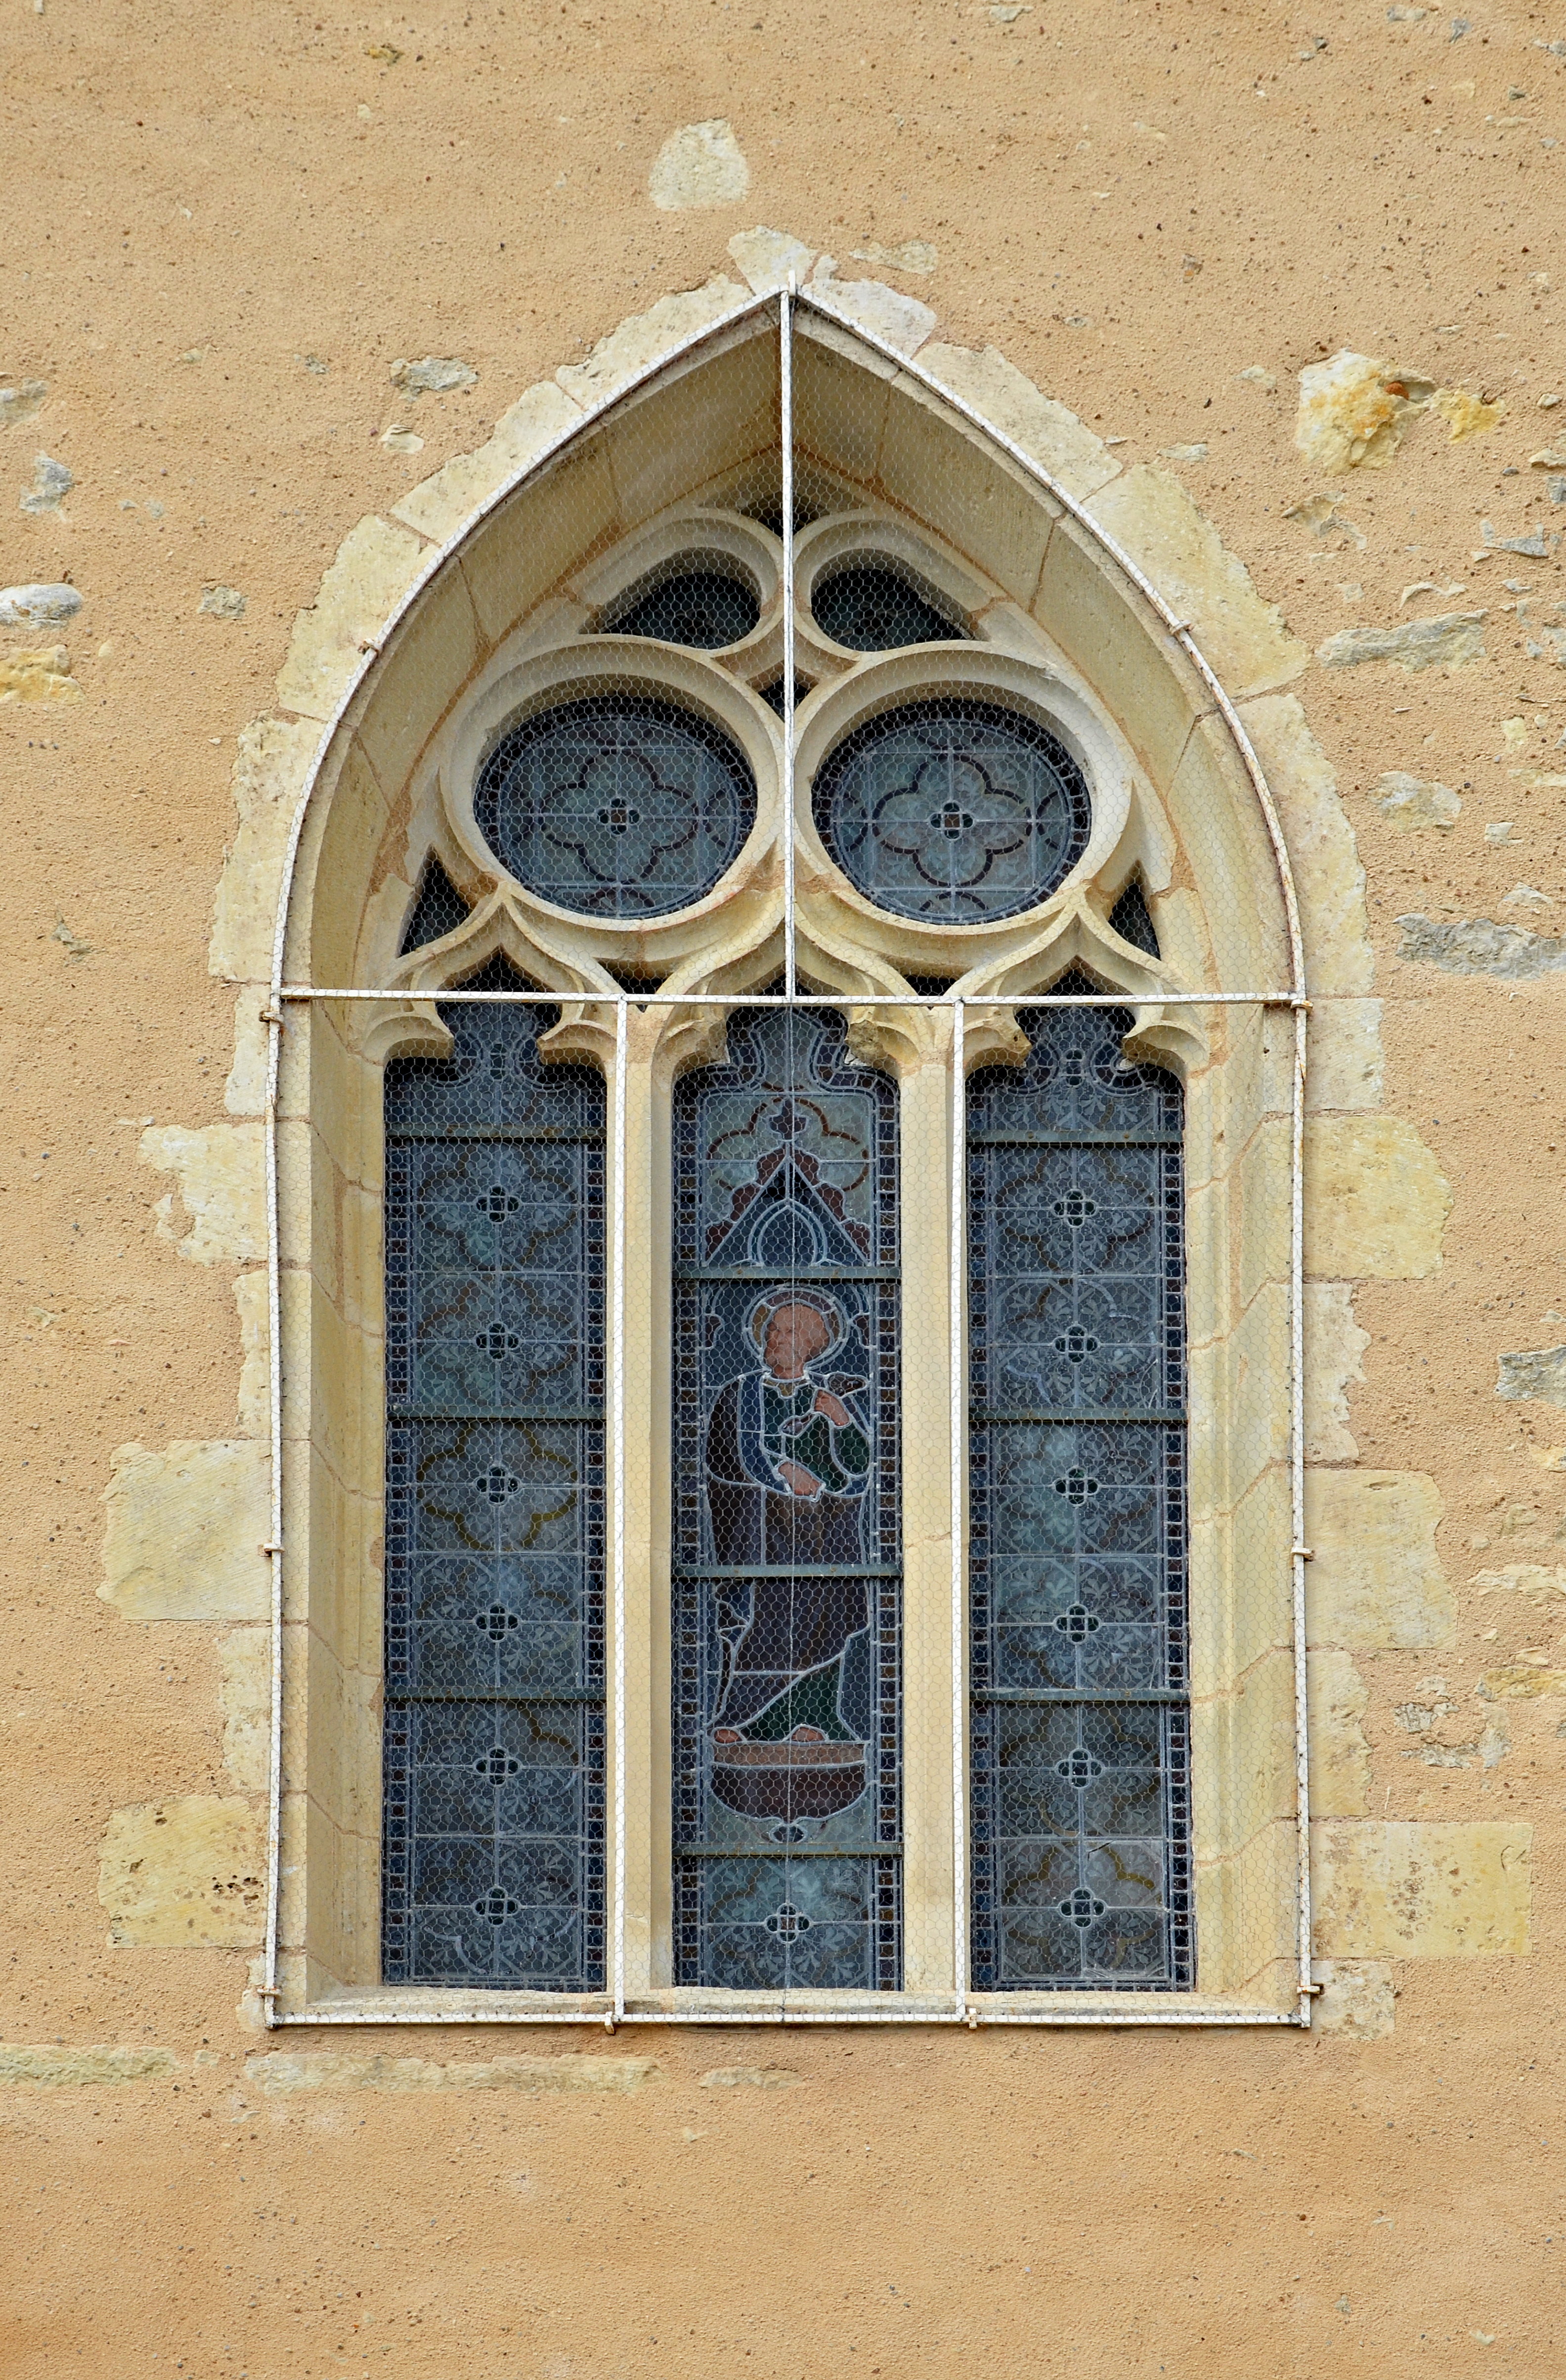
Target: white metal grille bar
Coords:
[(785, 440), (957, 1228), (1296, 1000), (617, 1432)]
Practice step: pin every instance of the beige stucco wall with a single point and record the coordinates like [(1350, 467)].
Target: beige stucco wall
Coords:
[(1124, 237)]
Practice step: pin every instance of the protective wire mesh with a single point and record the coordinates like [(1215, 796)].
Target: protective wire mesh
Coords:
[(623, 791)]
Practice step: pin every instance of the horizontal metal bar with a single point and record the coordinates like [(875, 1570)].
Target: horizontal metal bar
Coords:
[(1070, 1695), (789, 1852), (400, 1134), (784, 1277), (1126, 2010), (1063, 1416), (1074, 1140), (791, 1570), (544, 1695), (735, 1000), (421, 1413)]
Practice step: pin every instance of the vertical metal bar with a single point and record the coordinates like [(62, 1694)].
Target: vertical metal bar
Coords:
[(958, 1231), (1299, 1554), (785, 433), (617, 1432)]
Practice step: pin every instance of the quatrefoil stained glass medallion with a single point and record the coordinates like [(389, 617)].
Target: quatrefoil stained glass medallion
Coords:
[(618, 806), (957, 811)]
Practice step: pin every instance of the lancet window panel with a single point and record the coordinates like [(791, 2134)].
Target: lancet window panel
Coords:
[(1080, 1729), (494, 1848), (787, 1719)]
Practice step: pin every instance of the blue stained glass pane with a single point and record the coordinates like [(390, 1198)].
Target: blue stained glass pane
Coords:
[(494, 1732), (691, 603), (616, 806), (1080, 1729), (787, 1595), (873, 607), (956, 811)]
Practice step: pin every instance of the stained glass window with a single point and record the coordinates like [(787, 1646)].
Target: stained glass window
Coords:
[(787, 1545), (955, 810), (689, 602), (1080, 1713), (618, 806), (872, 607), (494, 1725)]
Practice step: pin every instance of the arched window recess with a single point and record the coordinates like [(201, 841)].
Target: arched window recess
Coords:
[(781, 775)]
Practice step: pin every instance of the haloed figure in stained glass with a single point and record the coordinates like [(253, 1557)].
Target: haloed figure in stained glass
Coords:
[(788, 1460)]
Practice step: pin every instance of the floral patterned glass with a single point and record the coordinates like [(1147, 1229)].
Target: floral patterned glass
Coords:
[(618, 806), (495, 1729), (788, 1566), (954, 811), (1080, 1726)]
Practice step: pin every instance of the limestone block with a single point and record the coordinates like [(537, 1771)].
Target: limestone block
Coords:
[(184, 1530), (700, 165), (1336, 1699), (1323, 856), (1354, 411), (244, 1090), (55, 2068), (1391, 1890), (1537, 1582), (1375, 1203), (750, 2077), (767, 258), (1410, 804), (36, 606), (1356, 1998), (435, 651), (367, 580), (1345, 1061), (1451, 640), (1478, 946), (219, 1172), (245, 1698), (1153, 516), (1376, 1578), (1045, 430), (184, 1874), (643, 341), (250, 1297), (281, 2074), (1533, 1372), (439, 507), (38, 673), (1520, 1681), (887, 314), (271, 765), (1333, 1345)]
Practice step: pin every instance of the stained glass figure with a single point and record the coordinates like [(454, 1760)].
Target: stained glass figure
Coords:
[(439, 908), (1080, 1725), (787, 1582), (690, 602), (617, 805), (872, 606), (495, 1727), (958, 810)]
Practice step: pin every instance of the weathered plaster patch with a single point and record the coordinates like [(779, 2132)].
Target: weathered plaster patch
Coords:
[(1153, 516), (281, 2074), (40, 673), (1045, 430), (245, 1699), (767, 258), (1467, 414), (1319, 514), (1333, 1347), (57, 2067), (20, 401), (1391, 1890), (271, 765), (1376, 1202), (1356, 1998), (371, 571), (1478, 946), (1340, 1756), (1536, 1372), (750, 2077), (700, 165), (1411, 803), (431, 376), (438, 507), (51, 483), (914, 256), (183, 1874), (901, 322), (184, 1530), (1451, 640), (643, 340), (1376, 1580), (221, 1189)]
